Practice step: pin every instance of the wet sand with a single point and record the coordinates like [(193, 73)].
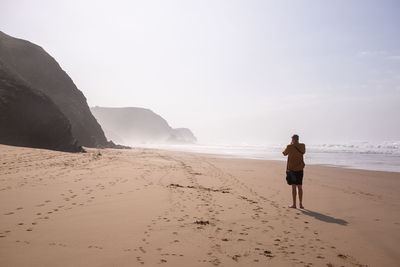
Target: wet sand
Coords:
[(146, 207)]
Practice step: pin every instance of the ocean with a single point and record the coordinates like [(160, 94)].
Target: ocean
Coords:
[(358, 155)]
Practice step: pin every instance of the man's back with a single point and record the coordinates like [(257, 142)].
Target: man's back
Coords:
[(295, 154)]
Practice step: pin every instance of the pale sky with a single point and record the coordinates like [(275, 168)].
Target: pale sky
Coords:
[(234, 72)]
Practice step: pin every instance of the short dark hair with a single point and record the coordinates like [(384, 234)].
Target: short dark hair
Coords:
[(295, 137)]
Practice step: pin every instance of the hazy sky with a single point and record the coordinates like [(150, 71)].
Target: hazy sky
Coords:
[(232, 71)]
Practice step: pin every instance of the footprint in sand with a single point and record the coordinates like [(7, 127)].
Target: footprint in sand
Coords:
[(236, 258), (139, 259)]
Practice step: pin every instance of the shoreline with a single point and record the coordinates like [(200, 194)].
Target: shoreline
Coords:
[(225, 156), (155, 207)]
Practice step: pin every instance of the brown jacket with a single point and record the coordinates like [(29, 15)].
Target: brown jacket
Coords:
[(295, 158)]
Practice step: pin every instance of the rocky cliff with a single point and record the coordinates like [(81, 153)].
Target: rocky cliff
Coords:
[(182, 135), (38, 70), (133, 125), (29, 118)]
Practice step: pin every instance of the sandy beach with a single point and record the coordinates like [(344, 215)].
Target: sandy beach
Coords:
[(147, 207)]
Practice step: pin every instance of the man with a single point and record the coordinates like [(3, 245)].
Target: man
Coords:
[(295, 166)]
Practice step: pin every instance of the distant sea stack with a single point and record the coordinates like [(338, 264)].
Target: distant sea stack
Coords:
[(132, 125), (38, 70), (182, 135), (29, 118)]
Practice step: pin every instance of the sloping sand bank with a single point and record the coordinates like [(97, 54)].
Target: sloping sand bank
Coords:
[(144, 207)]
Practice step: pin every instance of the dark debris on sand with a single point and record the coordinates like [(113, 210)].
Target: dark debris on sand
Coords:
[(223, 191), (201, 222), (268, 253)]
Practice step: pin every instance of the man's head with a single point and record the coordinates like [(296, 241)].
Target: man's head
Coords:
[(295, 138)]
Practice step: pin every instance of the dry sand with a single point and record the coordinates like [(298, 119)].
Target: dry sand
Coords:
[(144, 207)]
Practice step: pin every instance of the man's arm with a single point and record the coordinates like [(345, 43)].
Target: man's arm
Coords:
[(286, 151), (303, 148)]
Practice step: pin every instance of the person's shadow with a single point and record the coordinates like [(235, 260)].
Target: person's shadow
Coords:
[(324, 218)]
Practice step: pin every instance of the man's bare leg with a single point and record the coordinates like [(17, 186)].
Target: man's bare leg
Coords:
[(293, 196), (300, 188)]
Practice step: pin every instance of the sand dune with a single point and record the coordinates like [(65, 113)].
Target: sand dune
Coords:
[(144, 207)]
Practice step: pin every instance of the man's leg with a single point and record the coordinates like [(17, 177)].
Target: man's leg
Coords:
[(294, 196), (300, 188)]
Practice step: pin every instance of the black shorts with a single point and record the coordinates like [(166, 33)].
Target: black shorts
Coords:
[(295, 177)]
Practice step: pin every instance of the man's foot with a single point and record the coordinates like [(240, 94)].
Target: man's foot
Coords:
[(292, 207), (302, 207)]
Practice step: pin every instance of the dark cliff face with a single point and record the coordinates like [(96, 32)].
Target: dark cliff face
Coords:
[(133, 125), (40, 71), (29, 118)]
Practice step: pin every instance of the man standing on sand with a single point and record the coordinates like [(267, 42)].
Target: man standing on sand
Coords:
[(295, 166)]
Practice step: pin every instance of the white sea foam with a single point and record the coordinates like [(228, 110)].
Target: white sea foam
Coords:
[(392, 147)]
